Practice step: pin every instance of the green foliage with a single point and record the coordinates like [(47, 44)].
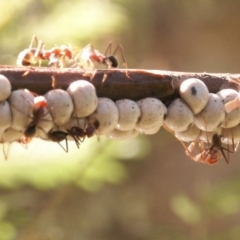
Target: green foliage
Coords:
[(44, 165), (218, 203), (57, 22)]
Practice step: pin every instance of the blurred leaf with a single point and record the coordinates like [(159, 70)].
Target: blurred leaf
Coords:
[(9, 10), (7, 231), (223, 199), (186, 209)]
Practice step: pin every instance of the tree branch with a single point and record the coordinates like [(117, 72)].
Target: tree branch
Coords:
[(133, 84)]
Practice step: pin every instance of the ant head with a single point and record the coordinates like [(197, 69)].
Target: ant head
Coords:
[(90, 131), (113, 60)]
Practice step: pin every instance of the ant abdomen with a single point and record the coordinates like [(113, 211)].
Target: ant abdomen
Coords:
[(30, 131), (58, 136)]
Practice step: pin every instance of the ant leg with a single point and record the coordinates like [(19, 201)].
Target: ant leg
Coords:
[(119, 47), (34, 39), (224, 156), (66, 144), (109, 48), (190, 149), (75, 138), (39, 49), (65, 149), (236, 147), (5, 153), (228, 143)]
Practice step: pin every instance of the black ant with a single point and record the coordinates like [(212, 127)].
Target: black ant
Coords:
[(79, 134), (58, 136)]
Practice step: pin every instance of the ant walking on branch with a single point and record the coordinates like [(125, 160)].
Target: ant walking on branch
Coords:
[(36, 54), (88, 55)]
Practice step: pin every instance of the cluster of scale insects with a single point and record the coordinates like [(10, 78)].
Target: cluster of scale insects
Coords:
[(200, 120)]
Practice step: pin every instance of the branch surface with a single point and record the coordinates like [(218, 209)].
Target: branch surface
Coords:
[(133, 84)]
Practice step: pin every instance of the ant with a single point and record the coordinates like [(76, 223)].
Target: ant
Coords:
[(89, 55), (57, 55), (40, 105), (58, 136), (32, 55), (211, 154), (79, 134)]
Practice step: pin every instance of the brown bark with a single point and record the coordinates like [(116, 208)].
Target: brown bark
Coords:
[(133, 84)]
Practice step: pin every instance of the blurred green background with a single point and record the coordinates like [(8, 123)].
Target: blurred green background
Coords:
[(141, 189)]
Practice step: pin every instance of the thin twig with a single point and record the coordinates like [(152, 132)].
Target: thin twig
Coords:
[(133, 84)]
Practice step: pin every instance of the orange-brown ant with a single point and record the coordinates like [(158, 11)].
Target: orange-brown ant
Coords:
[(93, 55), (32, 55), (88, 55), (57, 55), (211, 154), (40, 105)]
